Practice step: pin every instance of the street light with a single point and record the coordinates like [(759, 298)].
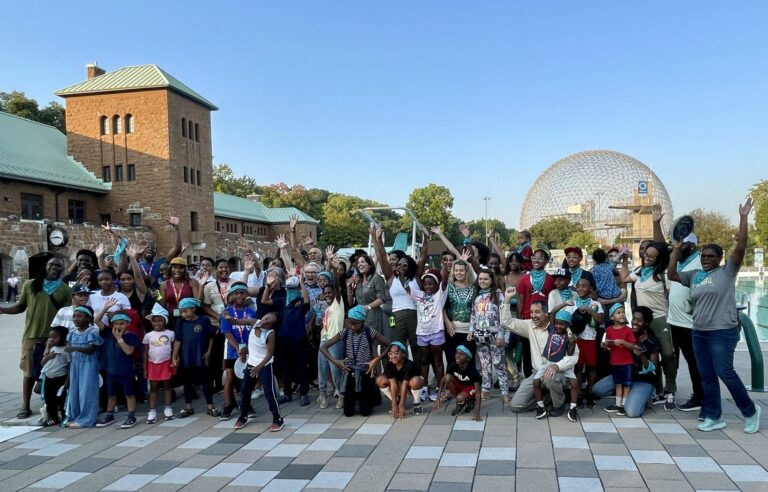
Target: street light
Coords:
[(486, 198)]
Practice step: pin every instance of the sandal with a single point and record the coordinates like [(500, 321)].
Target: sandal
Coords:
[(186, 413), (213, 412), (24, 414)]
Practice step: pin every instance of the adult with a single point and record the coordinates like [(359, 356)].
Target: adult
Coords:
[(41, 297), (533, 286), (215, 289), (458, 307), (716, 326), (513, 353), (179, 286), (368, 289), (136, 292), (84, 266), (536, 331), (150, 265), (680, 317), (13, 287), (650, 286)]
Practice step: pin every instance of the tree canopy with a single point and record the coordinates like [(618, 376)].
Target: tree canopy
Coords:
[(556, 232), (759, 194), (17, 103)]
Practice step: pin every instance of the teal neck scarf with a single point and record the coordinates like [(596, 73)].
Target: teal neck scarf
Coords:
[(682, 264), (521, 247), (537, 279), (701, 276), (565, 294), (583, 303), (575, 275), (646, 272), (50, 286)]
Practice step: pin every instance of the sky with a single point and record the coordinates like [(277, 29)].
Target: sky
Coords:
[(377, 98)]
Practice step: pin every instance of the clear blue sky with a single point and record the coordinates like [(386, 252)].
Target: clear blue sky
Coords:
[(376, 98)]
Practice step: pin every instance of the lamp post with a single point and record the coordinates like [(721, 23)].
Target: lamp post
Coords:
[(486, 198)]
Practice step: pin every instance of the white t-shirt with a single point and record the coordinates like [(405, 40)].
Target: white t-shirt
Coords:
[(400, 298), (430, 311), (160, 345), (257, 348), (680, 305), (651, 294), (13, 281), (97, 301), (589, 332)]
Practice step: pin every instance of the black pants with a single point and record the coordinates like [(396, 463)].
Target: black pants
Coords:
[(366, 398), (405, 332), (194, 376), (54, 405), (294, 353), (682, 339), (216, 365), (267, 378), (527, 364)]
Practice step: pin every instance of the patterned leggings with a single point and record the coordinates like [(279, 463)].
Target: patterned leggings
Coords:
[(492, 357)]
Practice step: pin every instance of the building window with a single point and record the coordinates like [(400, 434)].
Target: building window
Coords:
[(135, 219), (192, 176), (105, 219), (218, 226), (31, 206), (129, 128), (191, 130), (197, 132), (106, 174), (119, 172), (193, 221), (116, 124), (131, 172), (104, 125), (76, 211), (198, 177), (186, 175), (183, 127)]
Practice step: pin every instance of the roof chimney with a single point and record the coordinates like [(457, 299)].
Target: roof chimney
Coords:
[(254, 197), (92, 70)]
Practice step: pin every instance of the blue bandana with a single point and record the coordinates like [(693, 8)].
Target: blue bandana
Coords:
[(682, 264), (400, 346), (564, 315), (702, 275), (575, 275), (357, 312), (50, 286), (464, 350), (565, 294), (537, 279), (646, 272), (121, 317), (614, 308), (189, 303)]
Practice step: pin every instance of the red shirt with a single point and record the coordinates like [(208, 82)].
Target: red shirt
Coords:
[(526, 253), (620, 355), (526, 293)]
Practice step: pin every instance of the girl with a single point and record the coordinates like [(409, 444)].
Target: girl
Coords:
[(401, 375), (485, 327), (620, 340), (136, 292), (261, 349), (108, 292), (158, 347), (56, 362), (83, 400), (514, 351), (573, 258), (192, 351), (117, 362), (236, 322), (332, 323)]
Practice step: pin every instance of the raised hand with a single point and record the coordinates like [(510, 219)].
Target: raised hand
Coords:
[(204, 276), (656, 213), (489, 234), (308, 241), (423, 230), (510, 292), (746, 208), (377, 231), (248, 263), (436, 230), (281, 242), (465, 255), (110, 303), (101, 249), (107, 229), (184, 247), (294, 220), (329, 254), (173, 220)]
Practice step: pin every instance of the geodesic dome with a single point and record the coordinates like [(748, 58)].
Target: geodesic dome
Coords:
[(582, 186)]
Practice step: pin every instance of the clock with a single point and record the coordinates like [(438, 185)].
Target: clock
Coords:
[(57, 237)]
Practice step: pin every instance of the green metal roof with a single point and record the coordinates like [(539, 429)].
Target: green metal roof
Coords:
[(34, 152), (235, 207), (133, 78)]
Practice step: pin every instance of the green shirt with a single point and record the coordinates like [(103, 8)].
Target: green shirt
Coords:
[(40, 308)]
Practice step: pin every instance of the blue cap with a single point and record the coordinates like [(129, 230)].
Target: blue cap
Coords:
[(234, 288), (121, 317), (189, 302), (614, 308), (564, 315), (84, 309), (357, 312)]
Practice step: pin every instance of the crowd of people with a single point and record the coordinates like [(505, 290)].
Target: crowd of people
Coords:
[(122, 325)]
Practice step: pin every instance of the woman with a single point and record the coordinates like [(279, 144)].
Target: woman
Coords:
[(368, 289), (458, 307), (178, 286), (650, 286), (716, 326), (136, 292)]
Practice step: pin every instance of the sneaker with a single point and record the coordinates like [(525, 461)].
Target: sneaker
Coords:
[(323, 400), (591, 403), (612, 409), (226, 414), (251, 413), (257, 393), (541, 412), (557, 411), (283, 399), (304, 400), (129, 422), (168, 413), (752, 424), (417, 410), (710, 425), (424, 394), (152, 417), (691, 405), (277, 426), (669, 402), (106, 420), (340, 403), (240, 423), (621, 411), (433, 396), (470, 405), (573, 415)]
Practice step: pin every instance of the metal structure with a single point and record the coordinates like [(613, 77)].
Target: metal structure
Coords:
[(415, 247)]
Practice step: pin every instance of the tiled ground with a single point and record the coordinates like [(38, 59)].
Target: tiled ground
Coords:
[(320, 450)]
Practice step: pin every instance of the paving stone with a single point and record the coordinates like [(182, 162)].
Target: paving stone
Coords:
[(535, 455), (718, 444), (262, 444), (311, 428), (199, 443), (660, 485), (469, 425), (343, 464), (226, 470), (732, 458), (313, 458), (157, 467), (659, 471), (599, 427), (579, 484), (573, 455), (462, 447), (354, 450), (54, 450), (458, 459), (410, 481), (612, 478), (236, 438), (24, 462), (330, 480), (667, 428), (418, 466), (465, 435), (337, 434), (698, 464), (583, 469), (59, 480), (139, 441), (131, 482), (375, 429), (710, 481), (180, 476), (693, 450), (614, 463), (39, 442), (561, 442), (484, 483), (454, 474), (497, 453), (424, 452), (609, 449), (746, 473), (603, 437), (644, 456), (266, 463), (323, 444), (530, 480), (286, 450), (450, 487), (254, 478), (624, 423), (220, 449), (495, 467), (90, 464)]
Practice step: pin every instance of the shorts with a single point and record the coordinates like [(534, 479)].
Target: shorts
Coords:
[(466, 388), (587, 352), (568, 374), (160, 371), (27, 362), (433, 339), (229, 363), (123, 382), (622, 374)]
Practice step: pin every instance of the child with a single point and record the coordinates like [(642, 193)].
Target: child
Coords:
[(485, 327), (83, 400), (80, 295), (400, 375), (54, 374), (192, 351), (332, 323), (559, 343), (261, 348), (359, 361), (463, 381), (620, 340), (158, 346), (294, 345), (525, 250), (562, 292), (117, 361), (235, 323), (602, 271)]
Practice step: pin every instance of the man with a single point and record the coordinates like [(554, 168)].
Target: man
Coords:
[(85, 259), (41, 297), (13, 288), (536, 331), (150, 266)]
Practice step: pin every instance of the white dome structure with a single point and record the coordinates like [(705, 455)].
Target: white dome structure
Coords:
[(586, 186)]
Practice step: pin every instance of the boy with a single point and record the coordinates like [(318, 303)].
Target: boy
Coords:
[(117, 361), (463, 381), (620, 340), (559, 343)]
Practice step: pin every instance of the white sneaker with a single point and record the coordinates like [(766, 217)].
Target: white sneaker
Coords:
[(340, 402), (433, 396), (424, 394), (168, 413), (152, 417), (256, 394)]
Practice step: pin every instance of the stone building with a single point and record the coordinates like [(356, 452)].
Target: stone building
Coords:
[(137, 148)]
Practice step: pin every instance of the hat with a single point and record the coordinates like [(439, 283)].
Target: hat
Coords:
[(179, 261), (435, 274), (235, 287), (292, 282), (121, 317), (564, 315), (399, 345), (614, 308), (81, 289), (562, 272), (84, 309), (543, 249), (328, 275), (573, 249), (464, 350), (357, 312), (189, 303), (691, 238), (158, 310)]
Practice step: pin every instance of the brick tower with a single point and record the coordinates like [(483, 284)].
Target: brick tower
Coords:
[(150, 136)]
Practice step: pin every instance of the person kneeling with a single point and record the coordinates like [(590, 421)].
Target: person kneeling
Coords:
[(463, 381), (559, 343), (400, 375)]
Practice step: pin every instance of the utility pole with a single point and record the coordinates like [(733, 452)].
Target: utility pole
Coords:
[(486, 198)]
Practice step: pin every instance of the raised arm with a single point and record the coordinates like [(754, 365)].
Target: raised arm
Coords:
[(176, 249), (282, 246), (381, 253), (672, 274), (448, 245), (295, 250), (657, 215), (737, 257), (131, 252), (497, 249)]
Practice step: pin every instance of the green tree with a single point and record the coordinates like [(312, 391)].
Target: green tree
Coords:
[(759, 194), (554, 232), (225, 181), (54, 115), (583, 239), (505, 236), (713, 227), (17, 103), (345, 226), (431, 205)]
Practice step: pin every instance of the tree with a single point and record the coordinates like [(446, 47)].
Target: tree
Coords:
[(17, 103), (431, 205), (713, 227), (759, 194), (344, 225), (225, 181), (554, 232), (507, 238), (583, 239)]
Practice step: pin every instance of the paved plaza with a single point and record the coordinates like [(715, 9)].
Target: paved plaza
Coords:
[(320, 449)]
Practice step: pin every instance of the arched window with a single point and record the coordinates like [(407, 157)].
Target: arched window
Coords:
[(104, 125), (116, 124), (129, 123), (183, 127), (197, 132), (191, 130)]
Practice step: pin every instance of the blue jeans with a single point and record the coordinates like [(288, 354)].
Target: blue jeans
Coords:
[(714, 356), (638, 396), (323, 365)]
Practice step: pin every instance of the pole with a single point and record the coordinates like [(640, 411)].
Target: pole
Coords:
[(486, 198)]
